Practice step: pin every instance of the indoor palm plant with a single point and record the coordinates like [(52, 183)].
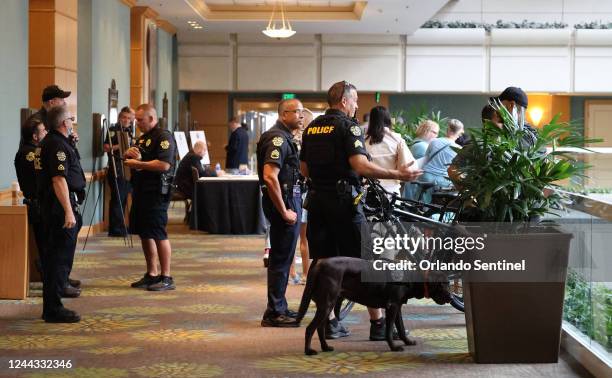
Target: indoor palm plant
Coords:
[(506, 175)]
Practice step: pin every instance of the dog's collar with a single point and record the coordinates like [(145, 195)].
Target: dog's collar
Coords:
[(425, 284)]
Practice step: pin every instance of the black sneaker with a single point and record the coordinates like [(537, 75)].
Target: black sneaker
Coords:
[(335, 330), (74, 283), (145, 281), (63, 315), (291, 314), (70, 292), (165, 283), (282, 321), (377, 330)]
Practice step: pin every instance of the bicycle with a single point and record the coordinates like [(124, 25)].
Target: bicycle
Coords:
[(393, 212)]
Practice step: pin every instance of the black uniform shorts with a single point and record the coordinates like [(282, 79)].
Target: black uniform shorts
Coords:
[(334, 226), (149, 215)]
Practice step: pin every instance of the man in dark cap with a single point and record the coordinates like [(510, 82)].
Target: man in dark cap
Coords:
[(515, 101), (52, 96)]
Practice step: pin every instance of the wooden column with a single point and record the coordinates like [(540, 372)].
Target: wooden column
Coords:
[(53, 48), (138, 24)]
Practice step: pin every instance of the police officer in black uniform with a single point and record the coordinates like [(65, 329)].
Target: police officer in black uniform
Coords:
[(53, 96), (32, 133), (334, 157), (117, 203), (61, 190), (152, 161), (278, 170)]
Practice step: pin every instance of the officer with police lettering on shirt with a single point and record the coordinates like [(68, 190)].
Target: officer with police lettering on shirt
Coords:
[(61, 189), (152, 161), (278, 170), (334, 157)]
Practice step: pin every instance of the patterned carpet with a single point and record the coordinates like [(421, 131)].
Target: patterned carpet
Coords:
[(210, 326)]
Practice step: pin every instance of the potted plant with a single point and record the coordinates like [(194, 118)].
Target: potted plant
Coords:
[(506, 177)]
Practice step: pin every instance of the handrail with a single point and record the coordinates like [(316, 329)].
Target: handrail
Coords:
[(588, 205)]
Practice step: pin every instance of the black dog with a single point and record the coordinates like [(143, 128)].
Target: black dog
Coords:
[(335, 277)]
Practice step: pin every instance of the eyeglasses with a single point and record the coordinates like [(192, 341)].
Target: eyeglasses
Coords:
[(296, 111), (70, 118)]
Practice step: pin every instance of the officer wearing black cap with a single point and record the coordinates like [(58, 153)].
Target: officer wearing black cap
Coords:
[(61, 190), (152, 161), (117, 203), (278, 170), (32, 133), (334, 157), (52, 96), (515, 101)]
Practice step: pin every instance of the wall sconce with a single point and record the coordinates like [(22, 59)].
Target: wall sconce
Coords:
[(536, 114)]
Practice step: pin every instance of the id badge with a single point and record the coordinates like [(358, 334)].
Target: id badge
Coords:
[(297, 192)]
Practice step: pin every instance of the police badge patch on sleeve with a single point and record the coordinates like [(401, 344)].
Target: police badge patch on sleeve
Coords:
[(60, 167), (165, 144), (277, 141), (358, 144), (30, 156), (275, 154), (356, 130), (61, 156)]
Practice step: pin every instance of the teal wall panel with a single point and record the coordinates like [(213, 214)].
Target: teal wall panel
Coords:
[(13, 82), (104, 54)]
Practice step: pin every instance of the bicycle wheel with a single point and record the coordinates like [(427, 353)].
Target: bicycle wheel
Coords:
[(456, 288)]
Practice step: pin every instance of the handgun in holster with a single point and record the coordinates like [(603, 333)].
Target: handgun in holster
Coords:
[(346, 190), (166, 184)]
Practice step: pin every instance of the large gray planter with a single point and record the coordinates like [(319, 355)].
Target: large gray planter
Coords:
[(518, 322)]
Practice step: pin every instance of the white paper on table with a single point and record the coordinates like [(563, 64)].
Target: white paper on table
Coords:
[(181, 143), (200, 135)]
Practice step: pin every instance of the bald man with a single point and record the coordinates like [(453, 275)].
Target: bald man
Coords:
[(278, 170), (152, 162), (193, 159)]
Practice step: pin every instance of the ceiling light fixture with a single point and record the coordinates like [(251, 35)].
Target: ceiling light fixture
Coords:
[(285, 30)]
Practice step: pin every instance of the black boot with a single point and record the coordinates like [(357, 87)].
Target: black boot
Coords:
[(377, 330)]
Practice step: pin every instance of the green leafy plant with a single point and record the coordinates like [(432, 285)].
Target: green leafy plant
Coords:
[(406, 122), (525, 24), (505, 170), (588, 307), (594, 25)]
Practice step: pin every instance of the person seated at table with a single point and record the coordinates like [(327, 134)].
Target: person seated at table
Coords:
[(184, 178), (439, 156)]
